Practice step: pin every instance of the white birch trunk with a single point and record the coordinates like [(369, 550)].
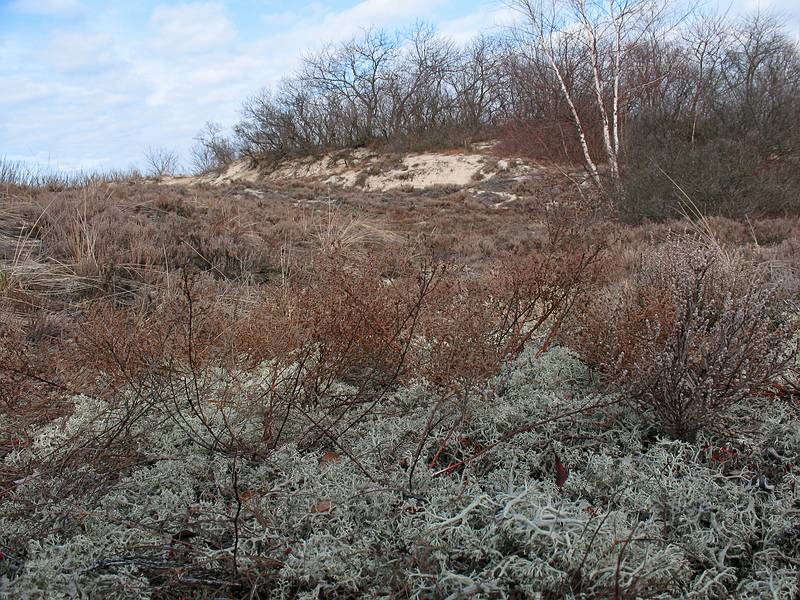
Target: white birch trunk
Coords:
[(587, 157), (611, 154), (547, 49), (615, 92)]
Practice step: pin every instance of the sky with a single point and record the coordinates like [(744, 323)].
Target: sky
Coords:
[(92, 84)]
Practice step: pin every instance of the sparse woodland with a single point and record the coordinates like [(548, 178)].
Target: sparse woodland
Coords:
[(290, 390), (653, 102)]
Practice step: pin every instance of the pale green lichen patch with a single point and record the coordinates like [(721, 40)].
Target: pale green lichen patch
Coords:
[(638, 515)]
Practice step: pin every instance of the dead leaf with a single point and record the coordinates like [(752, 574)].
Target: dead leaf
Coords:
[(323, 506), (562, 472), (329, 457)]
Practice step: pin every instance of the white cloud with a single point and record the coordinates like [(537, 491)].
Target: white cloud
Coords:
[(21, 89), (320, 26), (126, 77), (382, 11), (487, 19), (52, 8), (72, 50), (190, 28)]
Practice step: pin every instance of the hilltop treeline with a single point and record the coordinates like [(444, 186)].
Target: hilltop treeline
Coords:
[(630, 91), (412, 88)]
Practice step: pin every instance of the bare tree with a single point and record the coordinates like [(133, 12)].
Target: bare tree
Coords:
[(160, 162), (761, 77), (546, 29), (212, 150), (424, 99), (478, 84), (356, 72), (706, 38)]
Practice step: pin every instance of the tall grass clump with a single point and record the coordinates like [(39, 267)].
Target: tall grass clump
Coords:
[(15, 175)]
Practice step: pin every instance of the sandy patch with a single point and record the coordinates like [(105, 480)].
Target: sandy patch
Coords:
[(370, 171), (420, 171)]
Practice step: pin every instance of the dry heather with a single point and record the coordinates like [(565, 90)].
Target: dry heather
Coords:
[(695, 333), (285, 391)]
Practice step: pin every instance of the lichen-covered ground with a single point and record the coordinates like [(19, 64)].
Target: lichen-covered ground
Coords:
[(637, 515)]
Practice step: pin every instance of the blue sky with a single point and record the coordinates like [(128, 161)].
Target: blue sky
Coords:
[(88, 84)]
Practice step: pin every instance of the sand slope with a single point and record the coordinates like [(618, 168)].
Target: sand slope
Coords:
[(370, 170)]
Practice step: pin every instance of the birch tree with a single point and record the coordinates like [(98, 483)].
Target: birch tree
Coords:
[(607, 31), (545, 28)]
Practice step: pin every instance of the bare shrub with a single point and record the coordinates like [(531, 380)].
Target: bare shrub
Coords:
[(693, 334), (323, 352), (474, 325)]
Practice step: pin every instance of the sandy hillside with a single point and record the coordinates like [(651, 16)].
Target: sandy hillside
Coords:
[(372, 171)]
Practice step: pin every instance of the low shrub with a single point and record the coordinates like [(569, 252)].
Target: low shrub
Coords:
[(730, 177), (695, 332)]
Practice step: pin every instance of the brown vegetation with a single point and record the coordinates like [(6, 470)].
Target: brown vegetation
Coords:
[(237, 313), (694, 333), (113, 285), (270, 319)]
